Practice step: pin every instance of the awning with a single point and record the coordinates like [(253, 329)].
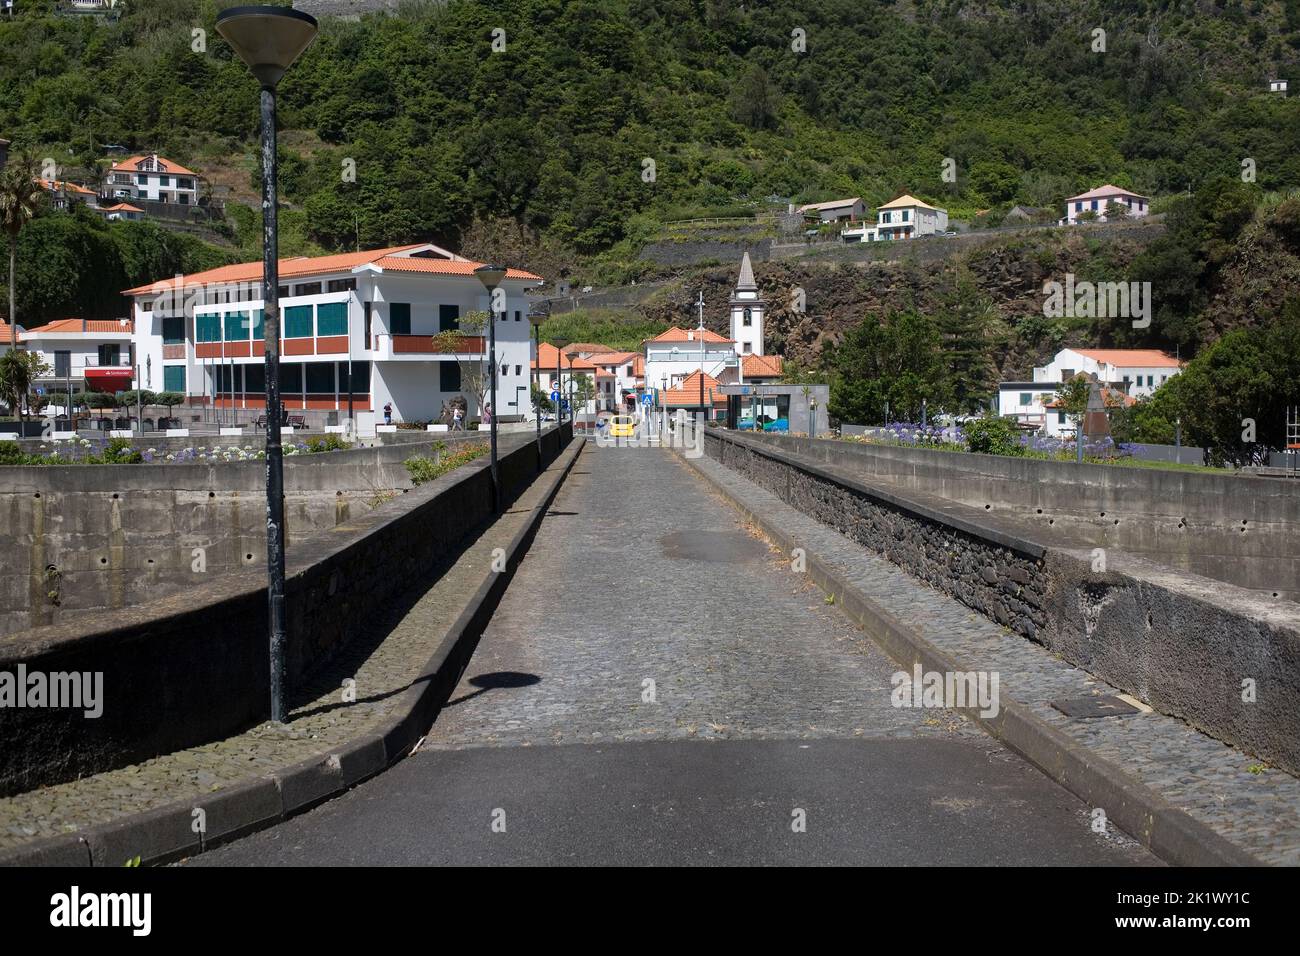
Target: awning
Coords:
[(109, 379)]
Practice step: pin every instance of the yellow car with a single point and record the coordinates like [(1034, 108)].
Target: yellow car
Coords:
[(622, 426)]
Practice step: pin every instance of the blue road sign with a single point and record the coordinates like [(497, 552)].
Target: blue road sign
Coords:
[(555, 396), (647, 399), (565, 404)]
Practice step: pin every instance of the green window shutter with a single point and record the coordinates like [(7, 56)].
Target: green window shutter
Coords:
[(259, 322), (236, 326), (173, 330), (399, 318), (297, 322), (207, 327), (174, 378), (332, 318)]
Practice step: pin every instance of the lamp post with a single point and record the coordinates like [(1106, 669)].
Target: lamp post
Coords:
[(269, 40), (812, 418), (491, 276), (536, 316)]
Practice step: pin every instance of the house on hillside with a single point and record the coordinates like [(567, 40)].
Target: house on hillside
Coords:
[(908, 218), (120, 211), (836, 210), (1095, 201), (151, 178), (63, 195)]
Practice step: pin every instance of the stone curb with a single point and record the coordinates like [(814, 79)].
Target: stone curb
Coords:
[(1170, 833), (169, 833)]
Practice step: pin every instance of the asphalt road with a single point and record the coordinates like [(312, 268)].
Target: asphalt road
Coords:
[(657, 687)]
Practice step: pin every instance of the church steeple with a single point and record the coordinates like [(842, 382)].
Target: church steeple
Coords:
[(747, 311)]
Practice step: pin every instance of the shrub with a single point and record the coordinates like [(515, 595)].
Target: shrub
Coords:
[(422, 468), (992, 435), (11, 453), (330, 442)]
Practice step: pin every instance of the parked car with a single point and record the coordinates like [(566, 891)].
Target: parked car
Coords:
[(622, 426)]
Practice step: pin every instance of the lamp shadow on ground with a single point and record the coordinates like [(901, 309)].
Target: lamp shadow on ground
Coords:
[(497, 680)]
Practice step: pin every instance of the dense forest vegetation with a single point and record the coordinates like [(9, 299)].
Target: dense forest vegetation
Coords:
[(554, 130)]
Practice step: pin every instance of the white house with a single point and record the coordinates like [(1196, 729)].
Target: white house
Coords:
[(1277, 86), (835, 210), (357, 331), (119, 211), (64, 194), (1128, 374), (1137, 372), (1094, 201), (616, 379), (908, 217), (860, 232), (86, 355), (154, 178)]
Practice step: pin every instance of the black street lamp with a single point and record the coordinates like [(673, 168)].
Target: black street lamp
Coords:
[(269, 40), (491, 276), (536, 316)]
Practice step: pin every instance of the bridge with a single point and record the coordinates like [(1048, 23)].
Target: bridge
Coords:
[(721, 653)]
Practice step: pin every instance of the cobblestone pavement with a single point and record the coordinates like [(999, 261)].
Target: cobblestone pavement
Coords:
[(382, 663), (1210, 780), (766, 700)]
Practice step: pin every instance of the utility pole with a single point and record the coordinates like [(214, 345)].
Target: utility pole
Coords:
[(700, 304)]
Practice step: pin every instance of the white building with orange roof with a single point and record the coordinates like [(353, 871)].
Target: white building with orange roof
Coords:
[(63, 194), (153, 178), (559, 370), (88, 355), (616, 379), (1095, 201), (1125, 374), (1137, 372), (357, 333)]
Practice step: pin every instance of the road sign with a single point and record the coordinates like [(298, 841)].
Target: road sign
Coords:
[(647, 400), (555, 396)]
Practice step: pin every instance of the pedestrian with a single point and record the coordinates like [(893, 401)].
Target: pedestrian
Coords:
[(388, 413), (487, 414), (456, 424)]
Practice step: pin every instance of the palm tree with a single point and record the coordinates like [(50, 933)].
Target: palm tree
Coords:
[(21, 195)]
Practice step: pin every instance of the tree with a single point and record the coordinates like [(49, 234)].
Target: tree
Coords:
[(584, 390), (898, 360), (18, 370), (21, 198), (1072, 398), (475, 376), (754, 101)]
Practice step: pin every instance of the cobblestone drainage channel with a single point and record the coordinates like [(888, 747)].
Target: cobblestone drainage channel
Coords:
[(1103, 705), (717, 547)]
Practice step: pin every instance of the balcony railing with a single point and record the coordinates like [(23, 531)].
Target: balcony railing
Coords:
[(429, 345)]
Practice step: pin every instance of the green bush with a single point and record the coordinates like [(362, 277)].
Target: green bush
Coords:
[(11, 453), (422, 468), (992, 435), (330, 442)]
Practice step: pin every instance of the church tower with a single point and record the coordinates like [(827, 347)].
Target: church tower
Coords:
[(747, 310)]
